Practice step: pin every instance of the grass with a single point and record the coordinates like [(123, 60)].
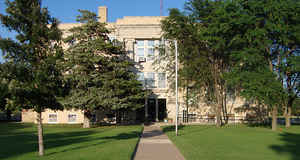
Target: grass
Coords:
[(236, 142), (68, 142)]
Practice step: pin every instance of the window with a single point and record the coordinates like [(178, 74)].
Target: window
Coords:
[(150, 81), (161, 80), (151, 43), (72, 118), (140, 77), (52, 118), (146, 49), (140, 43), (150, 56), (140, 52), (150, 50), (112, 38)]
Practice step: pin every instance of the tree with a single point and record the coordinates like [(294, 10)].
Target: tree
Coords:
[(203, 49), (287, 47), (5, 103), (238, 44), (35, 80), (271, 54), (98, 70)]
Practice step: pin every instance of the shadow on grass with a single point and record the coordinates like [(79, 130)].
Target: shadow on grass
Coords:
[(190, 131), (136, 146), (172, 128), (18, 144), (9, 128), (291, 146), (260, 125), (94, 141)]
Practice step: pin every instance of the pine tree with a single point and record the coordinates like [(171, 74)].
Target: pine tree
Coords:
[(35, 80), (5, 96), (99, 72)]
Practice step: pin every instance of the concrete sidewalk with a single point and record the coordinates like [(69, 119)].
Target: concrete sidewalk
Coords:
[(155, 145)]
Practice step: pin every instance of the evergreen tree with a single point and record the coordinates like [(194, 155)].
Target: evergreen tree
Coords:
[(99, 72), (5, 103), (34, 78)]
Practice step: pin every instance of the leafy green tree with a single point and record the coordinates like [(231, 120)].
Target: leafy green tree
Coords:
[(98, 70), (286, 25), (267, 65), (34, 77), (202, 61), (249, 45)]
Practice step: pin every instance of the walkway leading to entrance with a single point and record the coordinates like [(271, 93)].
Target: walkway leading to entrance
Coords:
[(155, 145)]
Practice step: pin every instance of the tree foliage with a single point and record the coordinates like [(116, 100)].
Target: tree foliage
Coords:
[(249, 45), (32, 71), (99, 72)]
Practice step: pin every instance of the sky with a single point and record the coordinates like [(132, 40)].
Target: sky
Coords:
[(67, 10)]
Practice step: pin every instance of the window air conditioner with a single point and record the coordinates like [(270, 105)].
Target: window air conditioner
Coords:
[(142, 59)]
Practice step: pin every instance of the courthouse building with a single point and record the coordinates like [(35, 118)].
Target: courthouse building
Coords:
[(140, 35)]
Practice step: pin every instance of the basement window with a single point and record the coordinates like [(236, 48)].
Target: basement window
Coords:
[(52, 118), (72, 118)]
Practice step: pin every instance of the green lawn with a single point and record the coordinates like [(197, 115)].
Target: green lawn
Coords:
[(236, 143), (68, 142)]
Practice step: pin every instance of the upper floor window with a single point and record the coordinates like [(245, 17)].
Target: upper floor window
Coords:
[(145, 50), (161, 80), (112, 38), (140, 43), (152, 80), (151, 43), (140, 77), (141, 52)]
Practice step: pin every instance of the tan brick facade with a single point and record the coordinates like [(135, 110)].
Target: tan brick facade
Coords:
[(54, 117)]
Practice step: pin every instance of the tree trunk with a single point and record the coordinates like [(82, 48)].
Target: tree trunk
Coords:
[(288, 117), (8, 114), (86, 120), (218, 116), (40, 134), (224, 106), (218, 100), (274, 118), (187, 102)]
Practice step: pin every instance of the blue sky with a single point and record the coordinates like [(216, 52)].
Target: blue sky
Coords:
[(67, 10)]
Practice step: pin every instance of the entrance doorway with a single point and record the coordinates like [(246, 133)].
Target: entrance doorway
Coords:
[(159, 113), (151, 110), (162, 109)]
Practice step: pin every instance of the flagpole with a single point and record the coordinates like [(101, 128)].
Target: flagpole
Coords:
[(176, 86)]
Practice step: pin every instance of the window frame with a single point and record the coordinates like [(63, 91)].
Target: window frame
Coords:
[(146, 47), (160, 80), (152, 80), (75, 118), (49, 121), (141, 78)]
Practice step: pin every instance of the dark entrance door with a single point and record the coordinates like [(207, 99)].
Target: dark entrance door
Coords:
[(162, 109), (151, 110)]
